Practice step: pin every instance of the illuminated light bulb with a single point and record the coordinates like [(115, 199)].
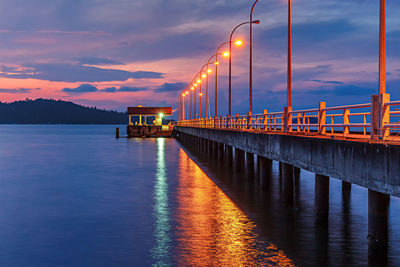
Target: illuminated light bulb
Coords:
[(238, 42), (201, 94), (183, 94), (226, 54), (198, 81), (216, 62), (209, 70), (192, 88), (204, 76)]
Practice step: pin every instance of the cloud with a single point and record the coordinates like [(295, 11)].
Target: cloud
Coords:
[(58, 72), (16, 91), (97, 61), (109, 90), (327, 82), (89, 88), (131, 89), (83, 88), (171, 87), (344, 90)]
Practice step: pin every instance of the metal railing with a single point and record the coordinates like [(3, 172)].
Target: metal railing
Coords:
[(347, 121)]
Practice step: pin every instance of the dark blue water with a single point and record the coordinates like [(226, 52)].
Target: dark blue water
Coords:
[(76, 196)]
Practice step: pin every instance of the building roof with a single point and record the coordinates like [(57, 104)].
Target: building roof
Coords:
[(150, 111)]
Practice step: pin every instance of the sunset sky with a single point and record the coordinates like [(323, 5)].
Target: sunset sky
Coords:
[(113, 54)]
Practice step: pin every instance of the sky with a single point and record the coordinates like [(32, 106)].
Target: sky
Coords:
[(119, 53)]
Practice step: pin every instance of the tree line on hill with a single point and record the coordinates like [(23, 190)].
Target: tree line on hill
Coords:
[(49, 111)]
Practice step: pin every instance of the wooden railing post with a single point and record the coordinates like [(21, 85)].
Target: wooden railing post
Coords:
[(265, 119), (346, 121), (385, 115), (287, 119), (249, 120), (220, 121), (322, 118), (237, 120)]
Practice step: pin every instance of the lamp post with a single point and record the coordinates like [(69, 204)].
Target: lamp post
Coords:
[(226, 54), (289, 57), (187, 105), (382, 48), (183, 106), (191, 92), (251, 60), (230, 61), (216, 78), (207, 98)]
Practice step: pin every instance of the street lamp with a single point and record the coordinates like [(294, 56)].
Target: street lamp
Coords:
[(207, 98), (183, 106), (382, 48), (225, 54), (238, 42), (289, 58), (251, 60)]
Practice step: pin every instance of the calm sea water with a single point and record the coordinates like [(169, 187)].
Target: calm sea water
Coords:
[(76, 196)]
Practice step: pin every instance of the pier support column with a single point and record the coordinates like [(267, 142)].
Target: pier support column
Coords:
[(229, 155), (201, 145), (220, 152), (346, 190), (321, 200), (378, 208), (296, 172), (239, 159), (287, 183), (215, 150), (249, 165), (265, 172)]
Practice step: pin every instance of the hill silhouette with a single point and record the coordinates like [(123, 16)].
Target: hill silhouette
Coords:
[(49, 111)]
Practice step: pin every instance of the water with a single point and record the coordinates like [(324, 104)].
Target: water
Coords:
[(76, 196)]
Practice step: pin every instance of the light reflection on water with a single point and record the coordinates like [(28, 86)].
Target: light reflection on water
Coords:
[(212, 230), (162, 232)]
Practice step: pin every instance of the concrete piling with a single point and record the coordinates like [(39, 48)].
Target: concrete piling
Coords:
[(378, 209), (287, 183), (220, 152), (346, 190), (229, 155), (239, 159), (321, 199), (265, 172), (249, 165)]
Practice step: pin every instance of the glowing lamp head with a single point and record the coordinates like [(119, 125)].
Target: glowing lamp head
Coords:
[(195, 84), (216, 63), (238, 42), (204, 76), (160, 115), (226, 54), (209, 70), (187, 92), (201, 94), (198, 81), (183, 94), (192, 88)]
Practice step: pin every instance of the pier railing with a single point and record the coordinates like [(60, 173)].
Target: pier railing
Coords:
[(347, 121)]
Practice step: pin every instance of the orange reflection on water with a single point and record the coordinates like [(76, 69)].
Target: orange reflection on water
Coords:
[(212, 230)]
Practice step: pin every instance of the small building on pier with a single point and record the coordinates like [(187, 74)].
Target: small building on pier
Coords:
[(148, 122)]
